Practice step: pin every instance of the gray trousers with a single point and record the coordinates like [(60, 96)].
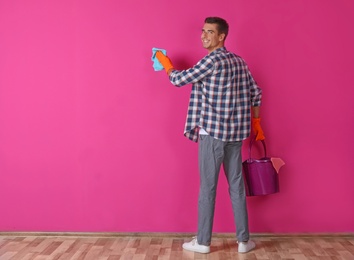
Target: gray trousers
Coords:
[(213, 153)]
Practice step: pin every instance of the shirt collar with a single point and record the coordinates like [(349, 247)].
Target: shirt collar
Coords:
[(221, 49)]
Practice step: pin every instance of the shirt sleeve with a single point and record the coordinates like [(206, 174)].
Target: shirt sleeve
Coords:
[(255, 90), (183, 77)]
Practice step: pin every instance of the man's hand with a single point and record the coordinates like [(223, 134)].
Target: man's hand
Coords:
[(165, 61), (256, 125)]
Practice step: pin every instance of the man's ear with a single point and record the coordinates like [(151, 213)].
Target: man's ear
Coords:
[(222, 36)]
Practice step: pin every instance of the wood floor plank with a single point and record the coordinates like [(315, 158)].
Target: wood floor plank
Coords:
[(163, 248)]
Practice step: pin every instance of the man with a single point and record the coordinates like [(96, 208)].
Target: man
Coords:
[(219, 116)]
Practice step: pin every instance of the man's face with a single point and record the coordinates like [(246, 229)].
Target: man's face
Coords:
[(211, 38)]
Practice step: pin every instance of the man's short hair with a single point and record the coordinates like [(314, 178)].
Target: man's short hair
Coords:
[(222, 25)]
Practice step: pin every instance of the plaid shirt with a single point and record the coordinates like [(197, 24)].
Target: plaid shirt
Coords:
[(222, 94)]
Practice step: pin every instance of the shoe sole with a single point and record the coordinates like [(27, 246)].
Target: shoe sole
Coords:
[(196, 251), (244, 252)]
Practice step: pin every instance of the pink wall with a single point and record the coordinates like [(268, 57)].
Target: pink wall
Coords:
[(91, 138)]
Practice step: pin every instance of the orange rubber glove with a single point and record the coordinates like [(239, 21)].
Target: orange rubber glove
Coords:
[(164, 60), (256, 125)]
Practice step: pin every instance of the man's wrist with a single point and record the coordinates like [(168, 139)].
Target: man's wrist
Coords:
[(169, 71)]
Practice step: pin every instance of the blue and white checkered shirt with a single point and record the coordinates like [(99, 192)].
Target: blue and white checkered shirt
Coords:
[(222, 94)]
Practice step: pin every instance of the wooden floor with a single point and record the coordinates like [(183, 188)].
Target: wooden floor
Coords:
[(139, 247)]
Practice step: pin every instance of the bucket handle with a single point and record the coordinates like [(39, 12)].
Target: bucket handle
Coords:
[(253, 140)]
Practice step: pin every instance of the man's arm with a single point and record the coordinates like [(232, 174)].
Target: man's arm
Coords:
[(255, 112), (183, 77), (169, 71), (256, 124)]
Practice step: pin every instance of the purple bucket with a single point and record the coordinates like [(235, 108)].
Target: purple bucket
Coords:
[(260, 176)]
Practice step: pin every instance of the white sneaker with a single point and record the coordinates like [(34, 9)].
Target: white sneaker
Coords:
[(244, 247), (195, 247)]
